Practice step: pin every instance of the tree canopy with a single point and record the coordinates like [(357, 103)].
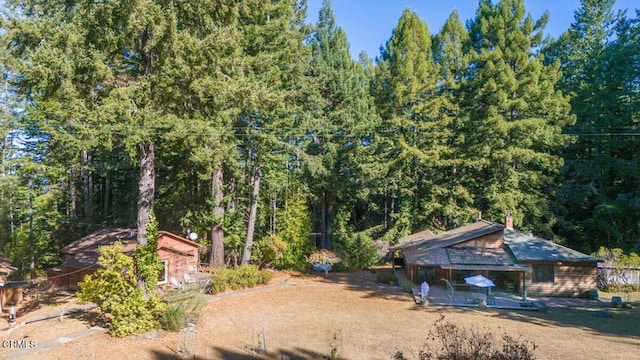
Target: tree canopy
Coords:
[(241, 122)]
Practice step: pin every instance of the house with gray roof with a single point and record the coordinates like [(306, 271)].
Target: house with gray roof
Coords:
[(516, 261)]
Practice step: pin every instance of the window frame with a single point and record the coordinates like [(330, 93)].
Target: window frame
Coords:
[(165, 272), (543, 273)]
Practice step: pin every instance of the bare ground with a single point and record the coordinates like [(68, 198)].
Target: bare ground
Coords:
[(309, 317)]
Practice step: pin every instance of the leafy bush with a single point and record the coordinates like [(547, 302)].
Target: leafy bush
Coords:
[(114, 288), (617, 288), (269, 250), (447, 341), (407, 285), (358, 251), (147, 258), (294, 225), (245, 276), (324, 256), (173, 318), (176, 314), (386, 277), (291, 243)]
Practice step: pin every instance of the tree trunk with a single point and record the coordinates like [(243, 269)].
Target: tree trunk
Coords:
[(248, 244), (32, 259), (274, 210), (146, 192), (323, 221), (72, 210), (87, 185), (330, 202), (217, 233), (107, 196), (146, 189), (327, 211)]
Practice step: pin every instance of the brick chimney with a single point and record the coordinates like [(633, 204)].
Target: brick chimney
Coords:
[(508, 220)]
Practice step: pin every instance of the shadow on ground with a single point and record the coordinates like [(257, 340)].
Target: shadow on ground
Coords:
[(597, 316), (364, 282), (227, 354)]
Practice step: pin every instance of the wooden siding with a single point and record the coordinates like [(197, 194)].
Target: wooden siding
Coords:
[(68, 279), (181, 255), (492, 240), (411, 272), (10, 296), (570, 279)]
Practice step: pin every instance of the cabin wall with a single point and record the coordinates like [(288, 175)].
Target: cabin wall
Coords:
[(68, 279), (492, 240), (178, 264), (182, 257), (570, 279), (10, 296)]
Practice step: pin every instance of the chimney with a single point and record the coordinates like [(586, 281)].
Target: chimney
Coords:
[(479, 215), (508, 220)]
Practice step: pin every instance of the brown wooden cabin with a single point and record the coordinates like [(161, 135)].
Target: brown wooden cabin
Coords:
[(179, 256), (514, 260)]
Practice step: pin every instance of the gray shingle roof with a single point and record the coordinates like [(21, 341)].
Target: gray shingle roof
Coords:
[(526, 247), (479, 256), (518, 247), (432, 251)]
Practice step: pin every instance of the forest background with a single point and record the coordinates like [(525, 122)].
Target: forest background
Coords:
[(239, 121)]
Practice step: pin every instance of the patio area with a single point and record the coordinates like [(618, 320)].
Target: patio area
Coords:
[(467, 297), (462, 297)]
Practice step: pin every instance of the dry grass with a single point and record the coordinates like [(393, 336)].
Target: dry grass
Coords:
[(315, 316)]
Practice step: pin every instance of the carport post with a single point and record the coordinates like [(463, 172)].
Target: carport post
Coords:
[(524, 286)]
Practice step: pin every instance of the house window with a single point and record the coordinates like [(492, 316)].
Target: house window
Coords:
[(164, 274), (543, 273)]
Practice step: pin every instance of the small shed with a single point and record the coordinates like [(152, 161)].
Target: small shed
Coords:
[(10, 292)]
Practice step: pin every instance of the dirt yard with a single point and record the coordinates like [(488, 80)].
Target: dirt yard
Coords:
[(309, 317)]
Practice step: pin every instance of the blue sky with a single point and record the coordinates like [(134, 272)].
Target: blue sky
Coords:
[(368, 23)]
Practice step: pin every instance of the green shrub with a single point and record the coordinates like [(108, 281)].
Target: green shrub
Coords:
[(147, 258), (114, 288), (269, 250), (178, 312), (291, 243), (407, 285), (386, 277), (617, 288), (358, 251), (173, 318), (245, 276)]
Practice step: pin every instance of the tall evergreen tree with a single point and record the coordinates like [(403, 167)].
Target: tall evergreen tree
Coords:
[(599, 197), (122, 83), (451, 54), (337, 116), (515, 116), (414, 131), (273, 47)]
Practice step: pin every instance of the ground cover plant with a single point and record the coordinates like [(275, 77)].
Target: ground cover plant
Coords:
[(244, 276)]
